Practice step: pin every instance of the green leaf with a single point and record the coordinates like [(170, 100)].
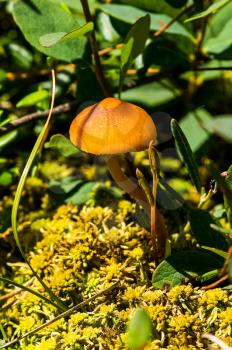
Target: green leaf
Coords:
[(230, 269), (83, 194), (135, 41), (6, 178), (51, 39), (62, 144), (221, 182), (167, 197), (221, 42), (134, 44), (191, 125), (218, 22), (130, 14), (8, 138), (106, 28), (2, 74), (140, 330), (76, 5), (184, 267), (20, 56), (87, 84), (33, 98), (186, 153), (160, 6), (176, 4), (151, 95), (219, 252), (141, 217), (71, 190), (200, 222), (5, 221), (221, 126), (228, 193), (101, 192), (211, 9), (64, 186), (6, 120), (162, 54), (39, 17), (228, 178)]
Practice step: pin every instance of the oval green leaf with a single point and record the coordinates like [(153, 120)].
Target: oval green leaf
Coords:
[(62, 145), (130, 14), (186, 266), (140, 330), (48, 40), (200, 222), (33, 98), (36, 18), (134, 44), (211, 9), (186, 153)]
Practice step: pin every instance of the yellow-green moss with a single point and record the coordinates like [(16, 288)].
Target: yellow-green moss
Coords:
[(82, 251)]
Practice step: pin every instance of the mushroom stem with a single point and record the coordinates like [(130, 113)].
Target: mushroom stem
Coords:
[(132, 188), (126, 184)]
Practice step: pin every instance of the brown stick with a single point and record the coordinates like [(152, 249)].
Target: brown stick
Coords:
[(37, 115), (166, 26), (93, 43), (216, 283)]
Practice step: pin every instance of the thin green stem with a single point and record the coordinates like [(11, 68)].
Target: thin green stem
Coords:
[(14, 215), (3, 332), (158, 230), (154, 193), (27, 289)]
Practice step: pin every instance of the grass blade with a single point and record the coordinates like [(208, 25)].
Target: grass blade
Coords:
[(30, 290), (186, 153), (63, 314)]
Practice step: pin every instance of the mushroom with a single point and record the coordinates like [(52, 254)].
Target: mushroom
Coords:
[(112, 127)]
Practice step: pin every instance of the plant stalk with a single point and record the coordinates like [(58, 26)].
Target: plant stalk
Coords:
[(126, 184), (93, 43)]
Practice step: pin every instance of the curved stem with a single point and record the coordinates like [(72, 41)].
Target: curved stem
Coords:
[(126, 184), (158, 228)]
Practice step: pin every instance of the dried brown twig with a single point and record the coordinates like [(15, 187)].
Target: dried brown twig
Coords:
[(65, 107)]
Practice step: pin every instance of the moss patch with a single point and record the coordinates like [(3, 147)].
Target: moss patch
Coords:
[(82, 251)]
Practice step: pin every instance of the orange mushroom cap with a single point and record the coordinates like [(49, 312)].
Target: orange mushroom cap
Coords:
[(112, 126)]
